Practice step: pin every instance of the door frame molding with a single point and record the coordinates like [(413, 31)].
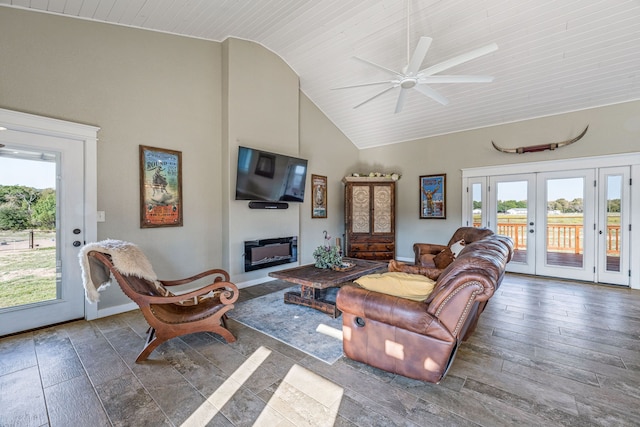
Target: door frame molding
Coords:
[(87, 137), (631, 159)]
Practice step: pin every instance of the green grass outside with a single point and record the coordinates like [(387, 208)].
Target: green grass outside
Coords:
[(27, 276)]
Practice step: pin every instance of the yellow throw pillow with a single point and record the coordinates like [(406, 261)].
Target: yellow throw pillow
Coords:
[(405, 285)]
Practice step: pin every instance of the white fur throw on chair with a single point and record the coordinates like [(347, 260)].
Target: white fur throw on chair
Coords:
[(126, 257)]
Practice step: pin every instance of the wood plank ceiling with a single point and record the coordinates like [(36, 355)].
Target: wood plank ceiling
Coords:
[(553, 57)]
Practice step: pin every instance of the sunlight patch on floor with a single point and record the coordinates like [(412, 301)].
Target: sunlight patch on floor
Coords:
[(328, 330), (303, 398), (221, 396)]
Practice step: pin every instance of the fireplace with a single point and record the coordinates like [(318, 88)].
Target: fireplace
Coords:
[(269, 252)]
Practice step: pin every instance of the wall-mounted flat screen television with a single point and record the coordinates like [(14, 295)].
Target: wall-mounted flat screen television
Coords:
[(267, 176)]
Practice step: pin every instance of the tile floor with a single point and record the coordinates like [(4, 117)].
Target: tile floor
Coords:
[(546, 353)]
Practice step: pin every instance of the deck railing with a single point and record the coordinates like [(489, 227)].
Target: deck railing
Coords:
[(560, 237)]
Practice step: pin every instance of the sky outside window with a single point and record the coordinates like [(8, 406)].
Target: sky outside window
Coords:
[(28, 173)]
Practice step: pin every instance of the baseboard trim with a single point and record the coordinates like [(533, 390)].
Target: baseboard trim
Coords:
[(110, 311), (254, 282)]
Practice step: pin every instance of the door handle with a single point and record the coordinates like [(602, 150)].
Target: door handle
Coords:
[(77, 243)]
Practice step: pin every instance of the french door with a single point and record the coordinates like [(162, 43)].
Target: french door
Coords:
[(570, 224), (565, 215), (512, 201), (43, 285)]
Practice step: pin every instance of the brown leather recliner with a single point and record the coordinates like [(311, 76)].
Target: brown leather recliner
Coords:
[(425, 252), (419, 339)]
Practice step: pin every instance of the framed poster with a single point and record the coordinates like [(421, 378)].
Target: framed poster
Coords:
[(160, 187), (432, 197), (319, 199)]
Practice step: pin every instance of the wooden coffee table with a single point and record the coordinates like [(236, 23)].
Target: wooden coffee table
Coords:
[(319, 286)]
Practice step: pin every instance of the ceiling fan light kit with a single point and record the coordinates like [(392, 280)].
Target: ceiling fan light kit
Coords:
[(412, 77)]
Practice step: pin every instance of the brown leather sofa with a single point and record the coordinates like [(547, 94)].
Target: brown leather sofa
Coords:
[(419, 339)]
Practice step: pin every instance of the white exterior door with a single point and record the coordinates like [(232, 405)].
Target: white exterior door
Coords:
[(67, 157), (512, 206), (565, 242)]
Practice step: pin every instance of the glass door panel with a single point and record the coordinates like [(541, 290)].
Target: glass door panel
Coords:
[(565, 222), (41, 219), (613, 225), (613, 187), (476, 212), (475, 209), (28, 234)]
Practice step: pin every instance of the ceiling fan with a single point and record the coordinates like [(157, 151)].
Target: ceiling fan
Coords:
[(412, 77)]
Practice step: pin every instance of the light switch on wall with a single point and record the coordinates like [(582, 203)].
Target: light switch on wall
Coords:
[(100, 216)]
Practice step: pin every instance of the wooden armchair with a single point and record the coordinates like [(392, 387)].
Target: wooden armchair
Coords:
[(170, 315)]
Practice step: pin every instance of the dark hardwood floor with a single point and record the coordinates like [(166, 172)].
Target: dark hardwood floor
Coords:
[(546, 352)]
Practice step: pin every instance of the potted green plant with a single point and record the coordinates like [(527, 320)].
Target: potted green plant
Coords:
[(327, 256)]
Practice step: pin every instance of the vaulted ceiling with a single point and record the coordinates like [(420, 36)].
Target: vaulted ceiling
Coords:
[(553, 56)]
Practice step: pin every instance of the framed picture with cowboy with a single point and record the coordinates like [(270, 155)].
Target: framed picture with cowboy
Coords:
[(160, 187), (432, 197)]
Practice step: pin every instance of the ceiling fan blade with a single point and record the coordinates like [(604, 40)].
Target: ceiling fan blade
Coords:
[(386, 82), (375, 96), (418, 56), (455, 79), (380, 67), (401, 97), (457, 60), (436, 96)]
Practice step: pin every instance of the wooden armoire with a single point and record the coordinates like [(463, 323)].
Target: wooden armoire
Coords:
[(370, 229)]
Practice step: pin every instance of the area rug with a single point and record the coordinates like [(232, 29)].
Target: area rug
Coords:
[(292, 324)]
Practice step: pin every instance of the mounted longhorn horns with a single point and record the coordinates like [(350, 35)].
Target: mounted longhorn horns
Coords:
[(541, 147)]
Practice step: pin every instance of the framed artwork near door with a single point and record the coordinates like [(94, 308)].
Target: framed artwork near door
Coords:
[(432, 197), (319, 199), (160, 187)]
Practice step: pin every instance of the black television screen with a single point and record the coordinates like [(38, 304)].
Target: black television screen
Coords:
[(267, 176)]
